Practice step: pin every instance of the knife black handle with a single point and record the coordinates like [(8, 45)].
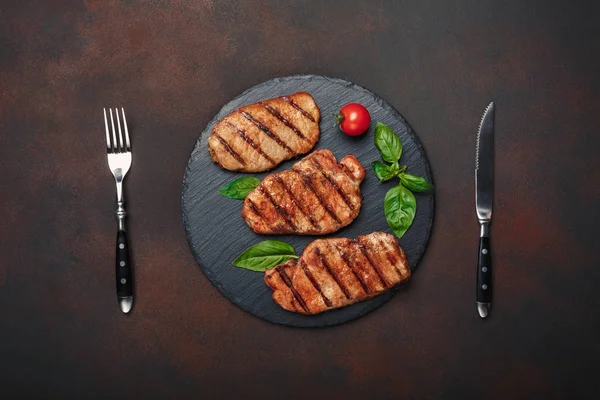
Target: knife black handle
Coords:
[(123, 267), (484, 271)]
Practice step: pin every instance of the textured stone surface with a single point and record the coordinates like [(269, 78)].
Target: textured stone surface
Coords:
[(218, 234), (173, 65)]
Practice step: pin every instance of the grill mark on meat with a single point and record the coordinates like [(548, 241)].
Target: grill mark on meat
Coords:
[(278, 208), (288, 282), (330, 271), (347, 172), (338, 189), (269, 133), (363, 250), (282, 183), (255, 209), (230, 150), (308, 183), (287, 123), (356, 274), (391, 258), (255, 146), (297, 107), (314, 282)]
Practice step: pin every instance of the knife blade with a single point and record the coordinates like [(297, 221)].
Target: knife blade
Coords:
[(484, 193)]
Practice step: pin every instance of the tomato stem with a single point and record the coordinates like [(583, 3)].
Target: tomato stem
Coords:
[(338, 118)]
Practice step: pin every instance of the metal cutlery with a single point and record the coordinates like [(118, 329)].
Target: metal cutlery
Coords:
[(484, 193), (119, 162)]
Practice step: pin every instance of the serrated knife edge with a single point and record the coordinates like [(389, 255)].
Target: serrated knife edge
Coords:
[(479, 133)]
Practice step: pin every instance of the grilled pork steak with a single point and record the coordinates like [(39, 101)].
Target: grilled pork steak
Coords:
[(259, 136), (337, 272), (317, 196)]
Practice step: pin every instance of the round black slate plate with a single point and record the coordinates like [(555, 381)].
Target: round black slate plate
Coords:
[(217, 233)]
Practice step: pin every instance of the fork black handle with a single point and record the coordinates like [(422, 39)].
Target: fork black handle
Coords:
[(124, 271)]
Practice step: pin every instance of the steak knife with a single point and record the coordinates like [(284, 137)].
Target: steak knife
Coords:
[(484, 193)]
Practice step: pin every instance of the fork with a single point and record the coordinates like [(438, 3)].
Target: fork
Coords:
[(119, 162)]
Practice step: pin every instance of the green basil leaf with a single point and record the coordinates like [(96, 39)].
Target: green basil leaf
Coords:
[(265, 255), (384, 172), (388, 143), (239, 188), (400, 207), (415, 183)]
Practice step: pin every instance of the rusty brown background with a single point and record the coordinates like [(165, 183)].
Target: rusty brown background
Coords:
[(172, 65)]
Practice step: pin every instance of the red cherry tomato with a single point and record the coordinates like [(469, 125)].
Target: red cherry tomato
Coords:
[(354, 119)]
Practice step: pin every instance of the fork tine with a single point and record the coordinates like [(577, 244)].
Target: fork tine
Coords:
[(126, 131), (107, 134), (114, 135), (120, 134)]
